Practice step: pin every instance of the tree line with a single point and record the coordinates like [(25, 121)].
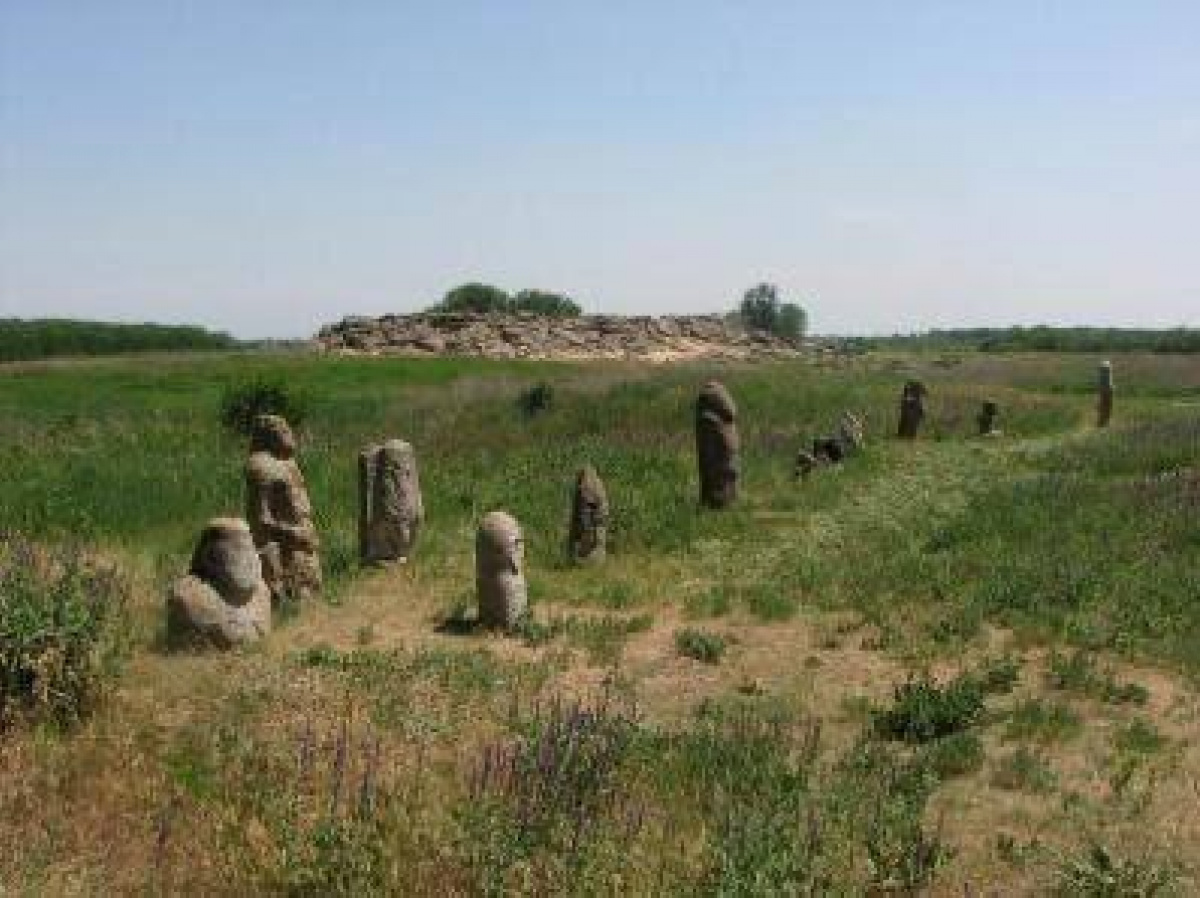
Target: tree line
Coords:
[(1040, 338), (24, 340)]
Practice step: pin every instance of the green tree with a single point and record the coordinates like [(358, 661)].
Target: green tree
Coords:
[(760, 307), (762, 310), (792, 321), (476, 297), (545, 302)]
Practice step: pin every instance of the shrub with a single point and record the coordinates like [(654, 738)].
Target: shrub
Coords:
[(1099, 872), (955, 755), (475, 297), (1045, 722), (924, 710), (543, 302), (700, 644), (484, 298), (62, 632), (242, 403), (536, 399), (1139, 736)]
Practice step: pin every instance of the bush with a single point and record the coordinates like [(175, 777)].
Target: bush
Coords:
[(543, 302), (924, 710), (485, 298), (700, 644), (241, 404), (536, 399), (475, 297), (63, 621)]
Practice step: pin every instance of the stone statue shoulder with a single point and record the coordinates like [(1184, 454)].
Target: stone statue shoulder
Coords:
[(263, 467)]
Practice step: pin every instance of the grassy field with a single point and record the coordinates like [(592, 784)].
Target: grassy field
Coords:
[(956, 663)]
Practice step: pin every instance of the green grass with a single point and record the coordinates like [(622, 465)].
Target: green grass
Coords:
[(1069, 538)]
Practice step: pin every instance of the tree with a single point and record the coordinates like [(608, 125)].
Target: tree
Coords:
[(762, 310), (760, 307), (475, 297), (545, 302), (792, 322)]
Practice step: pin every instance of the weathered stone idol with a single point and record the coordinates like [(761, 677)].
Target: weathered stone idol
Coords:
[(912, 409), (850, 433), (223, 601), (989, 413), (828, 450), (280, 514), (806, 463), (390, 511), (1104, 398), (500, 571), (588, 537), (717, 445)]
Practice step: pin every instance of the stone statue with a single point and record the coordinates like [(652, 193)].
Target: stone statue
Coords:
[(828, 450), (589, 517), (280, 514), (717, 445), (1104, 404), (986, 420), (390, 511), (223, 601), (806, 463), (850, 434), (499, 571), (912, 409)]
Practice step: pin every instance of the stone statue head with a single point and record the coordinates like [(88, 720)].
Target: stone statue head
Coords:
[(914, 391), (271, 434), (400, 460), (499, 544), (227, 559), (714, 400)]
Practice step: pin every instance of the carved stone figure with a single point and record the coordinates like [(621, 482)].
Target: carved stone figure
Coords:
[(912, 409), (390, 511), (717, 445), (828, 450), (988, 414), (1104, 399), (850, 433), (280, 514), (588, 539), (223, 601), (806, 463), (500, 571)]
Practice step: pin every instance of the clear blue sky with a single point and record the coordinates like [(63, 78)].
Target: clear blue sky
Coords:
[(264, 166)]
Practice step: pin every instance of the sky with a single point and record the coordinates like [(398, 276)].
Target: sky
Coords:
[(264, 167)]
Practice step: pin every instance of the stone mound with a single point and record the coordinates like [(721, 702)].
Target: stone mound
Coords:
[(528, 336)]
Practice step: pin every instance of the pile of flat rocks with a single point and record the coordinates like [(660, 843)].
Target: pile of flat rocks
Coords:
[(530, 336)]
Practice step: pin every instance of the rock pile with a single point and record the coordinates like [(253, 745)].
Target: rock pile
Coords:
[(525, 335)]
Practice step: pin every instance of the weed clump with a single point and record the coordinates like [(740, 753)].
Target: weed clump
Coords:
[(242, 403), (1024, 771), (1100, 872), (923, 710), (63, 623), (1079, 673), (535, 400), (700, 645)]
